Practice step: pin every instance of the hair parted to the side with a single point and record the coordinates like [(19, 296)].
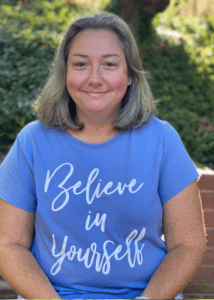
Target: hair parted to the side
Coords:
[(55, 107)]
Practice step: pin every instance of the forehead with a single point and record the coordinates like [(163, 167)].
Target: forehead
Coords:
[(96, 40)]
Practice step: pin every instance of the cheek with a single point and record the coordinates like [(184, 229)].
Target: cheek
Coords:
[(71, 84), (120, 84), (74, 82)]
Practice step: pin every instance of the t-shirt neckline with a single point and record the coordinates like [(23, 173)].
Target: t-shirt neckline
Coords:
[(93, 146)]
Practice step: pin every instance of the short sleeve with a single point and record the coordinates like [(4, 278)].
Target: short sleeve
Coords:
[(17, 185), (177, 168)]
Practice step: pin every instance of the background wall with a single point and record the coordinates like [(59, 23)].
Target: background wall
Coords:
[(202, 286), (196, 8)]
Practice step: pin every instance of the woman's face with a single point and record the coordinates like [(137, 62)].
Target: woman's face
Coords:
[(97, 77)]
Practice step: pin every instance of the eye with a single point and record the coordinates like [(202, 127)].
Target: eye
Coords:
[(78, 64), (112, 65), (82, 64)]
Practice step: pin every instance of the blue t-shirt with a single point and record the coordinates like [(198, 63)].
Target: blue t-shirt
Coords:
[(98, 207)]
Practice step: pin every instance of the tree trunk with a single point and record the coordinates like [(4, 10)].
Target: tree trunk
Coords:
[(130, 10), (155, 6)]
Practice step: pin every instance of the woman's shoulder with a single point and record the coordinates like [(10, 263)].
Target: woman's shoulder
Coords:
[(34, 132), (159, 126), (30, 127), (165, 126), (34, 128)]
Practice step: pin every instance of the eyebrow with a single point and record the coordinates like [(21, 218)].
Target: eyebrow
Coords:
[(106, 55)]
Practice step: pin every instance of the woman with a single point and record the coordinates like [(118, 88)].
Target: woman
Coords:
[(88, 190)]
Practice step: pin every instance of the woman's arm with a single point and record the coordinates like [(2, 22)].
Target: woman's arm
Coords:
[(18, 266), (185, 241)]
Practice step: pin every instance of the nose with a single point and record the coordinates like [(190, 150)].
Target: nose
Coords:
[(95, 76)]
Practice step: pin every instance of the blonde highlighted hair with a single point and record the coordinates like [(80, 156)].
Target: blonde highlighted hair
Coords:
[(55, 107)]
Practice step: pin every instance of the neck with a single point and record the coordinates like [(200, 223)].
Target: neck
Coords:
[(96, 130), (97, 124)]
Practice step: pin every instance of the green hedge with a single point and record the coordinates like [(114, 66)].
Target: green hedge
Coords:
[(199, 146), (29, 36), (181, 76), (24, 68)]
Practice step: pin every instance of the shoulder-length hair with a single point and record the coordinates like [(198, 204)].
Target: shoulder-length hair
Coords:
[(55, 107)]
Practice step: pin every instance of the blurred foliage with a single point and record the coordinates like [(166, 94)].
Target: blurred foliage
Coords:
[(112, 6), (40, 21), (24, 68), (180, 70), (144, 28), (29, 36), (182, 77)]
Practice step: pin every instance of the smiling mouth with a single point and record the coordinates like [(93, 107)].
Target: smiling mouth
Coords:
[(94, 94)]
